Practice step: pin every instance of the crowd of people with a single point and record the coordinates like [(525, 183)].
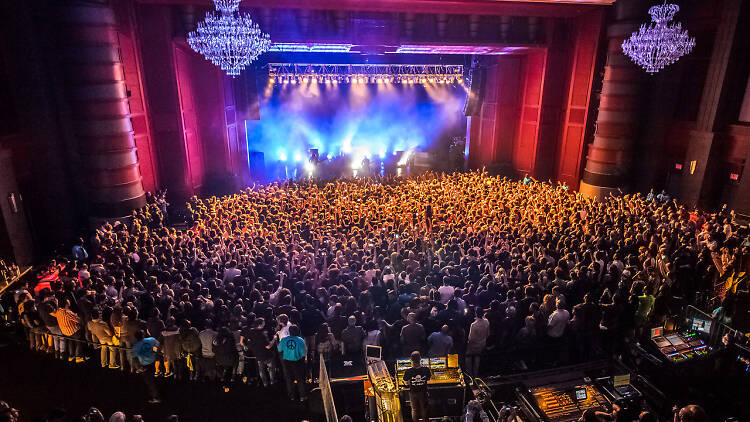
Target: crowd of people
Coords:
[(263, 282), (93, 414)]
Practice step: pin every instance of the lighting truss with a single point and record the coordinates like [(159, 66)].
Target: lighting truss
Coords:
[(365, 73)]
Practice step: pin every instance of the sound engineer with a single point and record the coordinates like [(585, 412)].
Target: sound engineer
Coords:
[(416, 379)]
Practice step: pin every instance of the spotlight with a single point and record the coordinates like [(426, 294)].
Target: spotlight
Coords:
[(347, 79), (271, 80), (294, 81), (380, 81), (304, 79), (297, 157), (460, 80), (361, 80), (282, 155), (278, 79), (356, 164), (310, 167)]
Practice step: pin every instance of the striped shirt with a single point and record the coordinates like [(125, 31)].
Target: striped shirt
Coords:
[(69, 322)]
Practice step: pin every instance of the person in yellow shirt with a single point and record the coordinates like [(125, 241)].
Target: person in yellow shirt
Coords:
[(70, 325)]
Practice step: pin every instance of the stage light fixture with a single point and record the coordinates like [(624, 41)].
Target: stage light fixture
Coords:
[(347, 79), (294, 81), (304, 79), (361, 80)]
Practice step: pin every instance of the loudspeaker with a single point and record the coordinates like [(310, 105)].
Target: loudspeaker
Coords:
[(476, 92), (257, 165)]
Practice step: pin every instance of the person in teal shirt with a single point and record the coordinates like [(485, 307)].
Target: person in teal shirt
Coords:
[(145, 351), (293, 355)]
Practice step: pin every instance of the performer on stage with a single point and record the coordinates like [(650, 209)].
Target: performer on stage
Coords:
[(416, 379)]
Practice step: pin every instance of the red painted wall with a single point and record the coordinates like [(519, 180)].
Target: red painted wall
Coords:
[(570, 150), (554, 98), (526, 143), (509, 94), (157, 52), (189, 116), (492, 132)]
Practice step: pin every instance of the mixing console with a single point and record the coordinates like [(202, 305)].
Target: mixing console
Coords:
[(443, 370), (565, 402), (682, 346)]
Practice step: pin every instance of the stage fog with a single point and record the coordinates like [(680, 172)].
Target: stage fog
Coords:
[(347, 122)]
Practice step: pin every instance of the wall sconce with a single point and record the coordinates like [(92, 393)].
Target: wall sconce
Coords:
[(13, 203)]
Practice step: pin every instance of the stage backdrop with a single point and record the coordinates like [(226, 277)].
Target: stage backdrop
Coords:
[(353, 119)]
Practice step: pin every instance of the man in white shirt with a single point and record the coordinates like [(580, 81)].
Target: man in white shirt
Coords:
[(558, 321), (206, 364), (476, 341), (283, 324), (446, 291), (231, 272)]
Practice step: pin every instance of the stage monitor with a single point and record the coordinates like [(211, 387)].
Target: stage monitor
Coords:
[(621, 380), (374, 352), (403, 364), (701, 325), (657, 332)]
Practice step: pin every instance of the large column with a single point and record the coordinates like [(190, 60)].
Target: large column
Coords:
[(699, 181), (741, 132), (608, 158), (12, 212), (100, 110)]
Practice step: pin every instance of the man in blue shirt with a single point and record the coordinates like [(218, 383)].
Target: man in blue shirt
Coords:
[(79, 252), (293, 355), (145, 351)]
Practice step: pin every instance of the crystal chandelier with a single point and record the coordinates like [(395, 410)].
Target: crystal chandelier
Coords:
[(659, 43), (230, 40)]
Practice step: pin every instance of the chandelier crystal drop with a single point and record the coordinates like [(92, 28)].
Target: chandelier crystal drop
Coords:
[(229, 39), (659, 43)]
